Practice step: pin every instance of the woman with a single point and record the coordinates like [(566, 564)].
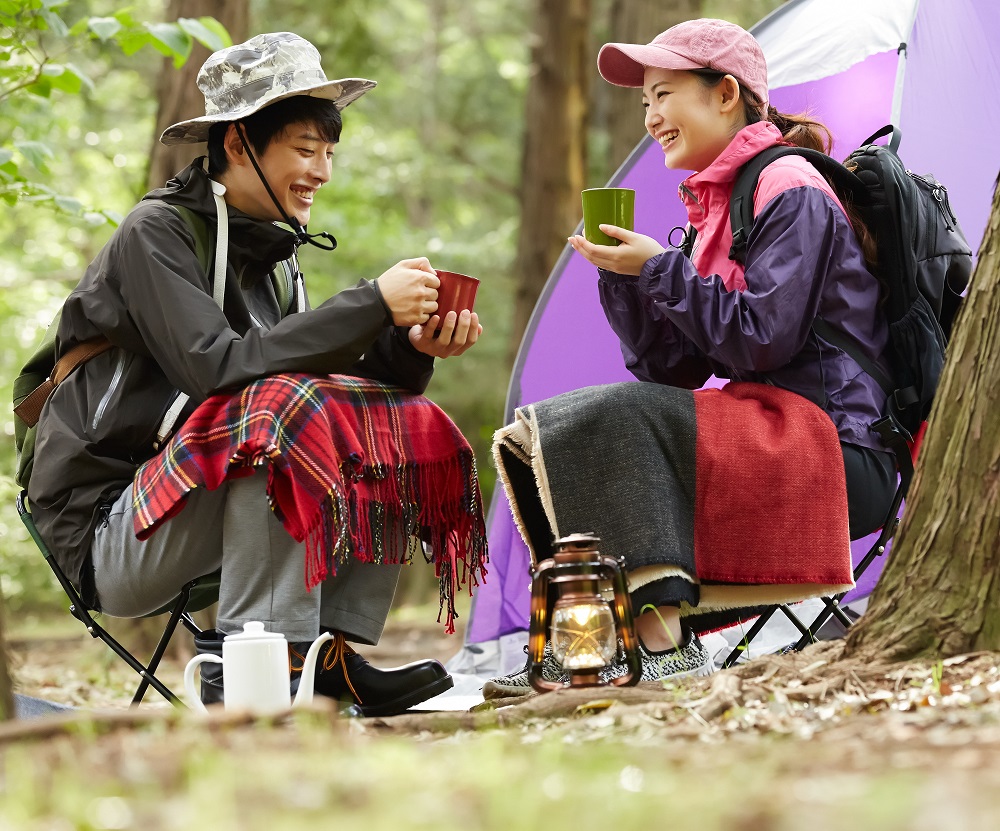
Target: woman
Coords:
[(679, 320)]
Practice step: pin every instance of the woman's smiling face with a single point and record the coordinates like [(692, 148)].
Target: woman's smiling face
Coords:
[(687, 119)]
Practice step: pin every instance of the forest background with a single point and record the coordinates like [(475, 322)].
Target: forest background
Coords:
[(488, 119)]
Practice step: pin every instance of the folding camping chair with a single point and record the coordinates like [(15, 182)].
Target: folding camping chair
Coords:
[(195, 596), (906, 455)]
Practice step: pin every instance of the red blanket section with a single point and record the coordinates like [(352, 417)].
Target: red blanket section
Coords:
[(780, 515)]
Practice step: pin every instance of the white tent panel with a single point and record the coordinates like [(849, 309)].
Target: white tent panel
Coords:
[(805, 41)]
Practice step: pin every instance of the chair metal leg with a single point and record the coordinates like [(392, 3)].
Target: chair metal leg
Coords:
[(748, 638), (807, 635), (83, 613), (97, 631), (190, 625), (161, 646)]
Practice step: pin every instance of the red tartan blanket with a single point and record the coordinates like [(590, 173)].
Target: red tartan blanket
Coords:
[(351, 463)]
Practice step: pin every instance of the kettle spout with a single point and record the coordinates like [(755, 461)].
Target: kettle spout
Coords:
[(305, 693)]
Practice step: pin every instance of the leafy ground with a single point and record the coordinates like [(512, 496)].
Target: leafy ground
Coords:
[(803, 741)]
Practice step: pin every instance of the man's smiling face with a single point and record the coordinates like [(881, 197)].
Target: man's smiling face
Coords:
[(296, 164)]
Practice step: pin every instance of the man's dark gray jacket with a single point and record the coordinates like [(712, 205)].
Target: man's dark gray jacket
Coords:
[(147, 293)]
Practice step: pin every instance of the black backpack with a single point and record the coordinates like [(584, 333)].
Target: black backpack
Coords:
[(924, 264)]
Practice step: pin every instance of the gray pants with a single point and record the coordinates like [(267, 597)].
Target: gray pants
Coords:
[(263, 568)]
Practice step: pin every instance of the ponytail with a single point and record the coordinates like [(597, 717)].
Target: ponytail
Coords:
[(801, 130)]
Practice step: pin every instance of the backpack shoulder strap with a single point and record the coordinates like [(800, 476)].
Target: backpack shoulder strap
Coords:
[(848, 344), (199, 230), (282, 277), (283, 280), (741, 207)]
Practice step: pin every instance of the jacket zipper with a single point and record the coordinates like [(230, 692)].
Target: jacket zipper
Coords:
[(115, 381)]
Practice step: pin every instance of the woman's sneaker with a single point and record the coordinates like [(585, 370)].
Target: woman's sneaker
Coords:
[(515, 684), (689, 659)]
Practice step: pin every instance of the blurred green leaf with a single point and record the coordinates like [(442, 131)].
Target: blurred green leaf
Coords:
[(63, 78), (131, 41), (35, 152), (55, 23), (69, 204), (42, 87), (171, 40), (214, 37), (104, 27), (82, 76), (124, 16)]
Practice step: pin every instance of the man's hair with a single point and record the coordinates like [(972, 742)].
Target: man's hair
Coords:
[(263, 126)]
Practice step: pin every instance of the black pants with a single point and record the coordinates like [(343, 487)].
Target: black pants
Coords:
[(871, 484)]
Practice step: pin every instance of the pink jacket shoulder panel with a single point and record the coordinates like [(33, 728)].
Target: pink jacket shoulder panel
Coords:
[(706, 197), (786, 173)]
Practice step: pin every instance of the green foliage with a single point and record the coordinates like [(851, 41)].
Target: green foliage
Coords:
[(25, 308), (35, 46), (76, 117)]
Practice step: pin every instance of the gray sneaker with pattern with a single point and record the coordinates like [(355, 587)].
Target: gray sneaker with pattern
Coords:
[(508, 686), (689, 659)]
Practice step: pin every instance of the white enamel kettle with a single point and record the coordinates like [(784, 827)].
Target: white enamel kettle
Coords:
[(256, 671)]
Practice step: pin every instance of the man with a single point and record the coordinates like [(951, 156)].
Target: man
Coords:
[(179, 335)]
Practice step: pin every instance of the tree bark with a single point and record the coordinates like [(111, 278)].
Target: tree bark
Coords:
[(177, 92), (940, 591), (635, 21), (553, 166)]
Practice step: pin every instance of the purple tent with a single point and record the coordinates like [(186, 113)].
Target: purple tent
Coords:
[(928, 66)]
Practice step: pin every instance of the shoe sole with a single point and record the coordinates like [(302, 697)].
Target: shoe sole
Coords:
[(404, 702)]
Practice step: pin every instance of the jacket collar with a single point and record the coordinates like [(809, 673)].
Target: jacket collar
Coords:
[(255, 245), (746, 144)]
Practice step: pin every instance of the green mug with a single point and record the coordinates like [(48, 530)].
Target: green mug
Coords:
[(608, 206)]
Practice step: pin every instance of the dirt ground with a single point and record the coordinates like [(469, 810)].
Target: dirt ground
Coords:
[(807, 740), (61, 663)]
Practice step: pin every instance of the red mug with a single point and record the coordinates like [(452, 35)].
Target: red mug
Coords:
[(456, 292)]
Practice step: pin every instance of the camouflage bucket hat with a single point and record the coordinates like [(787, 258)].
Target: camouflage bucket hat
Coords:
[(245, 78)]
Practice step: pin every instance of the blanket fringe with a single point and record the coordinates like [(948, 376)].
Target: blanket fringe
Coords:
[(385, 506)]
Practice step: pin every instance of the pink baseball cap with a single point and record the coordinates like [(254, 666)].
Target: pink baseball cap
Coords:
[(695, 44)]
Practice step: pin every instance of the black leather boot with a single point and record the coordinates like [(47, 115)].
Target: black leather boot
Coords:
[(341, 673)]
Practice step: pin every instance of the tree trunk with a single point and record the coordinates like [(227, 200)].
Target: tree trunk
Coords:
[(178, 94), (940, 591), (6, 687), (554, 156), (635, 21)]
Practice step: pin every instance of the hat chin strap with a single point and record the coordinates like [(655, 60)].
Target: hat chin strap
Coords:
[(300, 233)]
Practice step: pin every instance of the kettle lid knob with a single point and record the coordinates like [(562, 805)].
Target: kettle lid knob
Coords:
[(253, 630)]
